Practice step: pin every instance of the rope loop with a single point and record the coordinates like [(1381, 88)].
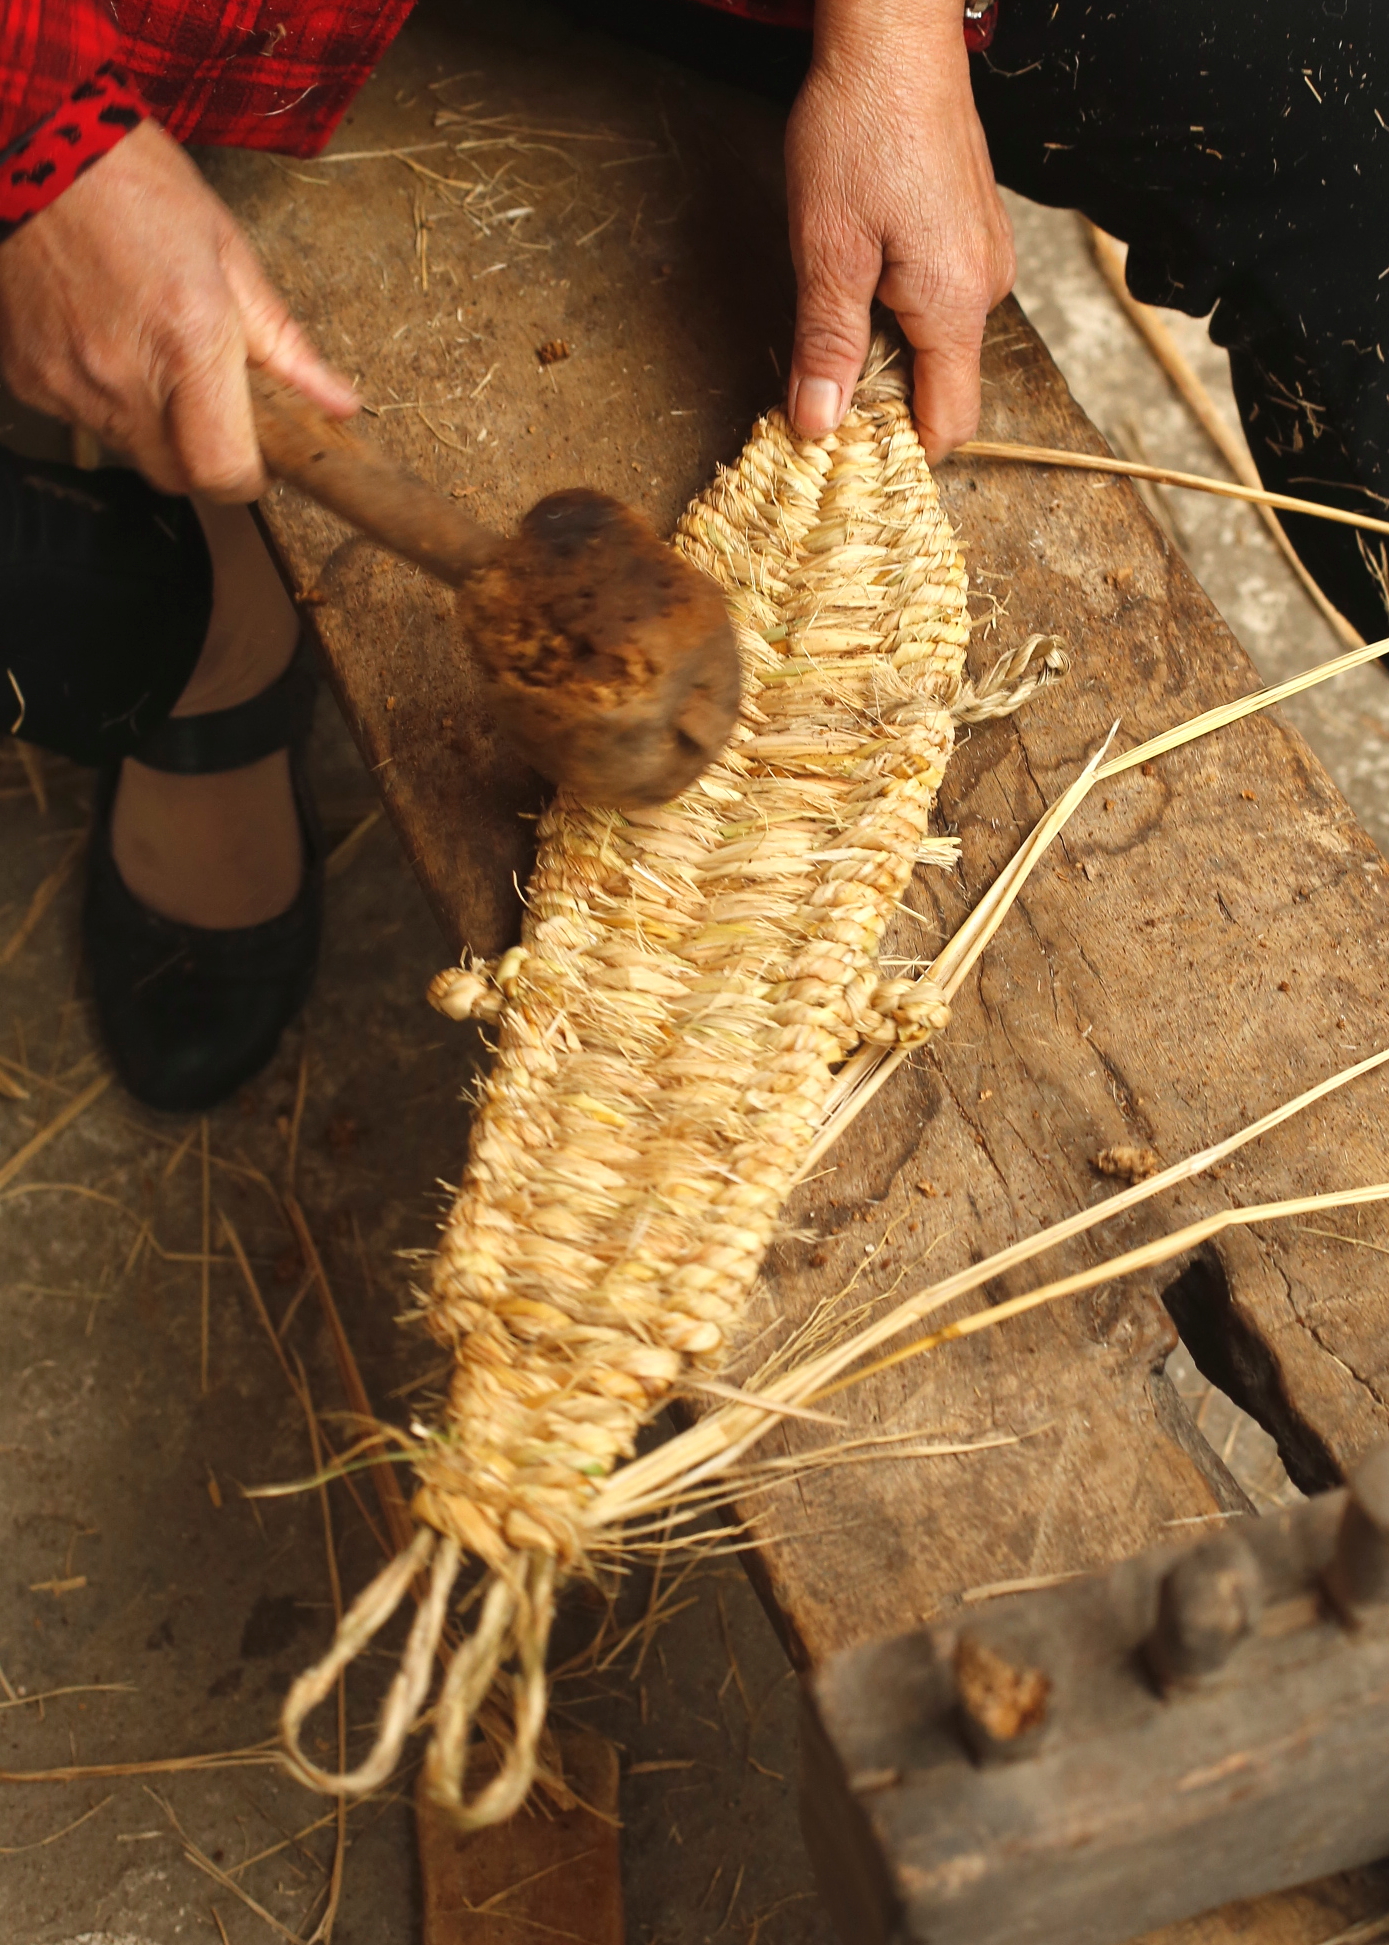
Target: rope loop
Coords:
[(517, 1613), (372, 1608), (1013, 680)]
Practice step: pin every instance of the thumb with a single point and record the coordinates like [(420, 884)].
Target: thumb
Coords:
[(274, 341), (945, 386), (835, 291)]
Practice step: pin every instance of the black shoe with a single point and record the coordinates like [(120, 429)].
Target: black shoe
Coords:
[(189, 1013)]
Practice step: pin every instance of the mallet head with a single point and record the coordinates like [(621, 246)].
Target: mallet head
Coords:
[(608, 657)]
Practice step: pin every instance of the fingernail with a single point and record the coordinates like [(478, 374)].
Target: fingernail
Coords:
[(816, 409)]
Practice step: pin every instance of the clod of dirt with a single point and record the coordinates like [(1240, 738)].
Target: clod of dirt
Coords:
[(1128, 1164)]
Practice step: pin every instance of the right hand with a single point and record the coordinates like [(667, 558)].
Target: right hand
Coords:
[(133, 304)]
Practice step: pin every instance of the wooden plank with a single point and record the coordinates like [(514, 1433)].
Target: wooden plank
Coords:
[(547, 1869), (1202, 943), (1135, 996)]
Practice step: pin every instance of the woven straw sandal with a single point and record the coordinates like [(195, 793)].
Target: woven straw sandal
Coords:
[(186, 1013)]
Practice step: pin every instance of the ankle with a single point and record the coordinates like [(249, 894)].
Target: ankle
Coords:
[(253, 630), (220, 851)]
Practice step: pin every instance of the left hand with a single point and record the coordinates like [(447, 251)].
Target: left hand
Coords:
[(892, 195)]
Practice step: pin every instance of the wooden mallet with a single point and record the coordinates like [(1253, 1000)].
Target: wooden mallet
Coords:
[(609, 660)]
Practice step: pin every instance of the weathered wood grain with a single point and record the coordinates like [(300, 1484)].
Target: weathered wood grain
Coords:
[(548, 1869), (1204, 940)]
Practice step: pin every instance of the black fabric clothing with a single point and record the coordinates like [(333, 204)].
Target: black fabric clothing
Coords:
[(767, 60), (105, 598), (1243, 154)]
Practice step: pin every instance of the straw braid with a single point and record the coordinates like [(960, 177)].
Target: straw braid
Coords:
[(688, 980)]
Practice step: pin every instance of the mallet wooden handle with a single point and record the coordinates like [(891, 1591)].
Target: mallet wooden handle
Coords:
[(608, 659), (357, 481)]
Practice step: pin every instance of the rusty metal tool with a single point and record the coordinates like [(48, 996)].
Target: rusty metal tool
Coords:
[(1079, 1765), (609, 660)]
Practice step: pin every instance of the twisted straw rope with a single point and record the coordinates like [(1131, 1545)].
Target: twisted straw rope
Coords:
[(688, 981)]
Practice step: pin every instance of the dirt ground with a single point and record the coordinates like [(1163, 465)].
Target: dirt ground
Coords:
[(151, 1615)]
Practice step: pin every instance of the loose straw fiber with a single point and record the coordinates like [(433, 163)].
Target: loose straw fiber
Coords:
[(689, 978)]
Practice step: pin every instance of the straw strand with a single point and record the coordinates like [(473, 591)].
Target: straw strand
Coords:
[(1168, 476)]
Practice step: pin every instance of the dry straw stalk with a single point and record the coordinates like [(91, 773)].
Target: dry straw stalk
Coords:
[(1111, 258), (1087, 462), (689, 980)]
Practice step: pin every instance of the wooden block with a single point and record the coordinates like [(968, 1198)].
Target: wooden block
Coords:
[(1196, 1724)]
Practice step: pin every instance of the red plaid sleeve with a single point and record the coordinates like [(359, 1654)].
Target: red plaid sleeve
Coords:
[(46, 159), (46, 48), (63, 99), (260, 74), (76, 75), (263, 74)]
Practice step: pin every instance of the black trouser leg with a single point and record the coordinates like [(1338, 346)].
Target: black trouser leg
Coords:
[(1300, 448), (1240, 154), (105, 597)]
